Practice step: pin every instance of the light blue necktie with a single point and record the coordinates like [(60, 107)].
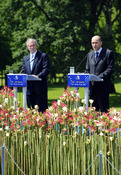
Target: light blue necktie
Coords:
[(96, 56), (31, 61)]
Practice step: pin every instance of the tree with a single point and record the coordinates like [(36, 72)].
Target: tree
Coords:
[(5, 53), (63, 29)]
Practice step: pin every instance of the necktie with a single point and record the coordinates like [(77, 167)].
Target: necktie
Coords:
[(31, 61), (96, 56)]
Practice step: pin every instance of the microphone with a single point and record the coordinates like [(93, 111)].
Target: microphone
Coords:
[(81, 62)]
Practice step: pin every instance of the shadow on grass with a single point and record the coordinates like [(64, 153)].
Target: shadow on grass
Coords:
[(115, 100)]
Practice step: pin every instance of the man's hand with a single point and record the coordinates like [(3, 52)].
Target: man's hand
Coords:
[(35, 76)]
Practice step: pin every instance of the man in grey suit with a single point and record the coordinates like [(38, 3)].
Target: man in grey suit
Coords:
[(36, 64), (100, 62)]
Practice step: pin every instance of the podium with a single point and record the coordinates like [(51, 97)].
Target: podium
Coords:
[(20, 80), (77, 80)]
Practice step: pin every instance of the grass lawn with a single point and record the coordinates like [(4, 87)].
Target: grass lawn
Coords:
[(55, 92), (115, 98)]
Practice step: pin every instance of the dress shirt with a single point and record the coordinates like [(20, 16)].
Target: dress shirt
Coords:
[(32, 56), (97, 53)]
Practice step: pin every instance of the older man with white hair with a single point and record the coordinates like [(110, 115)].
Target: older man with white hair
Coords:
[(36, 63)]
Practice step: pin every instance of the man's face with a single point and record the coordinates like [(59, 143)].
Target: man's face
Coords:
[(96, 43), (32, 47)]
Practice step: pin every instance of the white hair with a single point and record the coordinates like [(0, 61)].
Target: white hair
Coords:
[(31, 40)]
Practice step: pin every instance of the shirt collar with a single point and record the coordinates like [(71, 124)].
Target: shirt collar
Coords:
[(99, 50), (33, 53)]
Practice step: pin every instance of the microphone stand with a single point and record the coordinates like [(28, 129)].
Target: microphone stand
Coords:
[(81, 62)]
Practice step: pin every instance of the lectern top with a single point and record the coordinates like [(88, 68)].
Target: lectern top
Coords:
[(20, 80), (33, 78), (93, 77), (81, 79), (78, 80)]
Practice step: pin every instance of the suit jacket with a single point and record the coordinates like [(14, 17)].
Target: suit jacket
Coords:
[(41, 69), (103, 68)]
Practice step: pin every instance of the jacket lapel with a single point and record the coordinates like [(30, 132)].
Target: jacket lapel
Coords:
[(28, 63), (100, 56), (98, 59), (35, 61), (93, 57)]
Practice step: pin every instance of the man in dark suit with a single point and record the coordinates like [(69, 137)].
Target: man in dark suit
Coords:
[(36, 64), (100, 62)]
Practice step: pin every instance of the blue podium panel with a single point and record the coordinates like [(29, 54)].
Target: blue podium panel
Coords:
[(17, 80), (78, 80)]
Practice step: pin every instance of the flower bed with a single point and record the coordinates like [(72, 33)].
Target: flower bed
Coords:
[(63, 140), (62, 115)]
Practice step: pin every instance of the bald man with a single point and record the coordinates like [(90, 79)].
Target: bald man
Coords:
[(100, 62)]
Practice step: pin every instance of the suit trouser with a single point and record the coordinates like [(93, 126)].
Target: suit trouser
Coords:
[(101, 99), (35, 99)]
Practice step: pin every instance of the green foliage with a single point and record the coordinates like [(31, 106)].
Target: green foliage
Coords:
[(5, 53), (15, 68), (63, 29)]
